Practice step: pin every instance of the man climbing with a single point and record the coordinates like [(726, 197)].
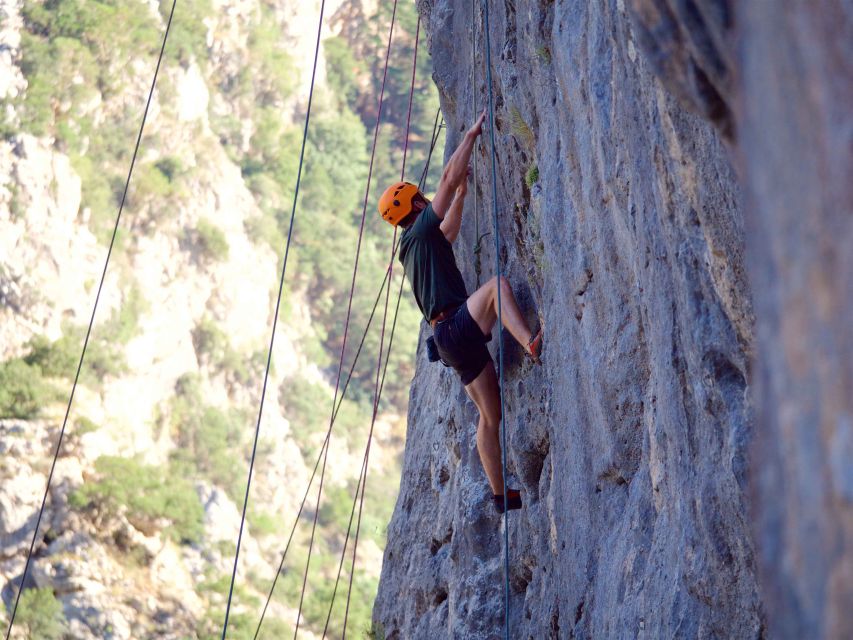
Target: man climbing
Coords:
[(462, 325)]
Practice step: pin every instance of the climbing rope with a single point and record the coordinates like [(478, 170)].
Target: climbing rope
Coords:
[(275, 318), (477, 246), (500, 318), (349, 309), (323, 447), (421, 186), (91, 323), (436, 130), (382, 340), (424, 174)]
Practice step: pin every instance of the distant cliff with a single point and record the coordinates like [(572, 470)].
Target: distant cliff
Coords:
[(673, 206), (139, 529)]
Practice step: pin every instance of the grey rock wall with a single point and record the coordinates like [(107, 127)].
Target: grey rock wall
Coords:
[(796, 144), (631, 442), (785, 89)]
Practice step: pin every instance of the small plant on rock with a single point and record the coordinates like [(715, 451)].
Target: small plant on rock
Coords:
[(40, 613), (532, 176)]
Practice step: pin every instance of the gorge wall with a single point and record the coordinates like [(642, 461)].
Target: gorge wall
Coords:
[(685, 465)]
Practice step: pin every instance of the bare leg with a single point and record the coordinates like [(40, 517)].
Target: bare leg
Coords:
[(485, 393), (483, 307)]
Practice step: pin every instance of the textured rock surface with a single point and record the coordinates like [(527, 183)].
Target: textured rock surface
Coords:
[(790, 109), (630, 443), (796, 141)]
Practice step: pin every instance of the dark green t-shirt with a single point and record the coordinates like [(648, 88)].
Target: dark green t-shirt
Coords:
[(430, 266)]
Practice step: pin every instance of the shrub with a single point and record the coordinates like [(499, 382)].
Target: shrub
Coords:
[(210, 342), (213, 348), (153, 192), (342, 67), (56, 359), (149, 493), (532, 175), (306, 405), (23, 390), (210, 240), (376, 631), (40, 613), (188, 34), (207, 438), (271, 67), (264, 229)]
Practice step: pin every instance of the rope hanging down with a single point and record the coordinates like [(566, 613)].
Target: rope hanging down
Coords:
[(361, 484), (478, 247), (381, 341), (275, 319), (500, 305), (91, 322), (349, 308), (435, 134)]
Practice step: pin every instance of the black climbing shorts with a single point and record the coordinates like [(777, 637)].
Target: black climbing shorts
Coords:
[(462, 345)]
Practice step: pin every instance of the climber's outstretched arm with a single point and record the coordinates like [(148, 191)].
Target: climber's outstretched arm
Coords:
[(456, 170), (453, 219)]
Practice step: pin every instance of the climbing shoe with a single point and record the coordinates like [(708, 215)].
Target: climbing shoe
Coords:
[(513, 501), (535, 345)]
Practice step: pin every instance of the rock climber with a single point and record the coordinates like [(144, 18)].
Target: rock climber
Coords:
[(462, 324)]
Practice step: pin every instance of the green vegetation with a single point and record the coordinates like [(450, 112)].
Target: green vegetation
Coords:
[(544, 54), (532, 175), (307, 406), (23, 390), (241, 626), (81, 58), (376, 631), (188, 34), (148, 493), (28, 384), (210, 241), (56, 359), (40, 613), (342, 69), (271, 75), (213, 348), (207, 438), (105, 353)]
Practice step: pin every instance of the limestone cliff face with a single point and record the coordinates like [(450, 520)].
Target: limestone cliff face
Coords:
[(630, 443), (779, 84)]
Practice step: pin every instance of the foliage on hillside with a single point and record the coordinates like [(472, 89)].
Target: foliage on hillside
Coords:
[(87, 63)]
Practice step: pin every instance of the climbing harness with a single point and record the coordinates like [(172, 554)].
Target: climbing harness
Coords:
[(500, 318), (91, 323)]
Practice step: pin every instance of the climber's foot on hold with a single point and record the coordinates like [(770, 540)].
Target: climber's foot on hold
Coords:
[(534, 346), (513, 501)]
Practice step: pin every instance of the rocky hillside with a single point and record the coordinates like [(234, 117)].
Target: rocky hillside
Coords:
[(684, 452), (142, 517)]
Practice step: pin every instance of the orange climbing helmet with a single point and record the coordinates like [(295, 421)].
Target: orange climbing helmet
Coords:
[(397, 202)]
